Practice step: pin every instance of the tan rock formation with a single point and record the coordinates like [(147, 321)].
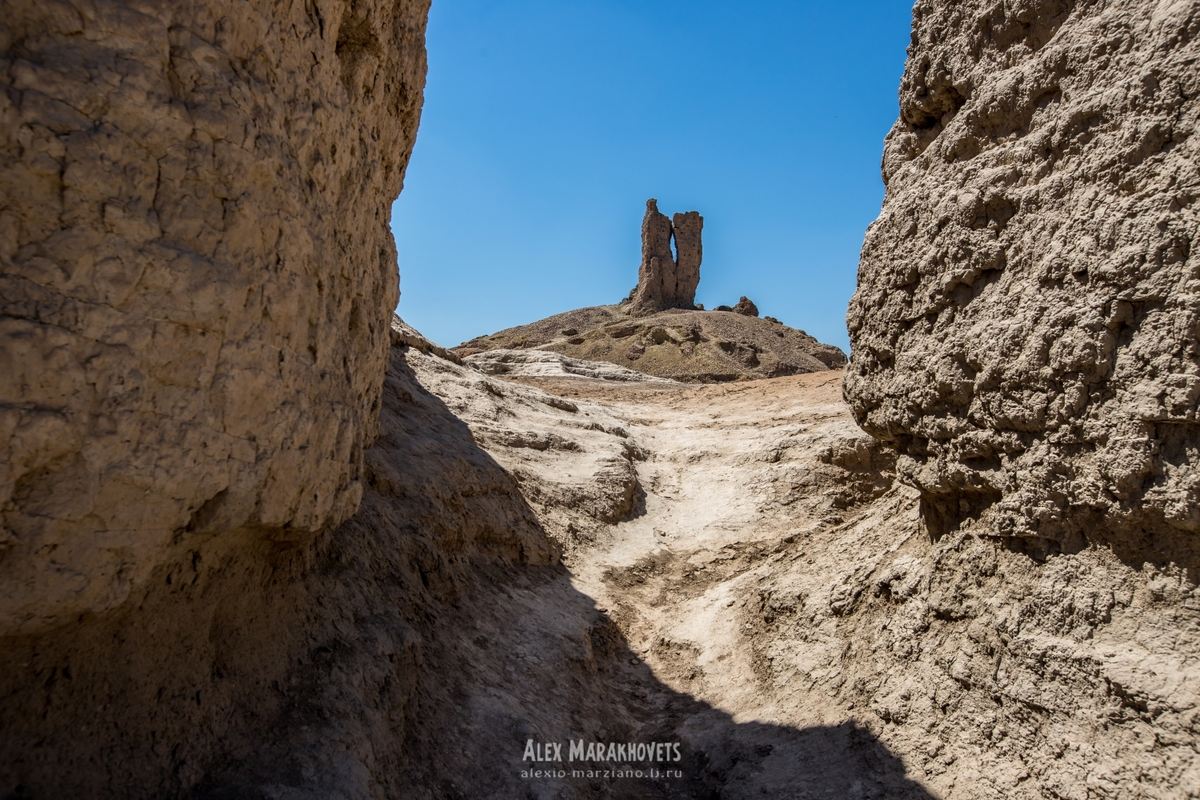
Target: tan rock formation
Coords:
[(1025, 326), (738, 572), (664, 282), (197, 277), (656, 275), (689, 252)]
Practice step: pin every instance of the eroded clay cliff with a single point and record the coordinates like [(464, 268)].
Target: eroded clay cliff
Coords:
[(1028, 311), (196, 277)]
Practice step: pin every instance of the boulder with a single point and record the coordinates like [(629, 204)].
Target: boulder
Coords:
[(745, 306)]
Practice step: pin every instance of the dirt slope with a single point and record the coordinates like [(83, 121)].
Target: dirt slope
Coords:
[(685, 345), (777, 575), (766, 567), (409, 653)]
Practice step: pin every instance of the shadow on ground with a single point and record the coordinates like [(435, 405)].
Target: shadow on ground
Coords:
[(411, 653)]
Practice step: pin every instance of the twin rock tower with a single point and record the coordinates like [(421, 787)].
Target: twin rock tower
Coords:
[(666, 279)]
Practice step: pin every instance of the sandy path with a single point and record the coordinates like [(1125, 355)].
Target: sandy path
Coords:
[(715, 459), (721, 550), (733, 480)]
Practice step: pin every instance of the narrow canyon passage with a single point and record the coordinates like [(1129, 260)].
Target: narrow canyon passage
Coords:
[(734, 484), (727, 567), (735, 489), (780, 610), (257, 542), (677, 508)]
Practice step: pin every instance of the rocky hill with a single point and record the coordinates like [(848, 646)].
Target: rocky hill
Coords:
[(685, 345), (660, 331)]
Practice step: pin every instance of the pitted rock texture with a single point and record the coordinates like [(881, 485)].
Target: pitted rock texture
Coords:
[(197, 276), (663, 281), (656, 275), (1025, 330)]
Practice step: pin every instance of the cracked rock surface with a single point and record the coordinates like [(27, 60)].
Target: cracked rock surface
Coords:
[(1026, 325)]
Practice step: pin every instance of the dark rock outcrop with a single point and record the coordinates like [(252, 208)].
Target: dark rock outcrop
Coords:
[(1026, 325), (745, 306)]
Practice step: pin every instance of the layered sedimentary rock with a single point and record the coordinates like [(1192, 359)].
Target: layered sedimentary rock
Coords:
[(197, 277), (663, 281), (1026, 325)]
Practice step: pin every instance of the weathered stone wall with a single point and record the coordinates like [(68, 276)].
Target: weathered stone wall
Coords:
[(197, 276), (1026, 330), (665, 281), (689, 252), (656, 274)]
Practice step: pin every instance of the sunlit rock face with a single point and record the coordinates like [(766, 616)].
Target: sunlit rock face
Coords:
[(665, 280), (1026, 330), (197, 276)]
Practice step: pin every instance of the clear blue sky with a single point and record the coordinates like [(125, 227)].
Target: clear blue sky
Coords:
[(548, 123)]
